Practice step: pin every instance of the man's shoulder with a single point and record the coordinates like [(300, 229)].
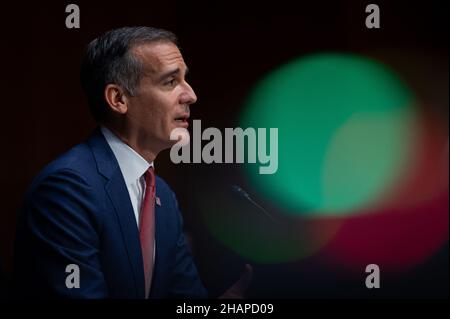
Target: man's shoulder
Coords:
[(78, 163)]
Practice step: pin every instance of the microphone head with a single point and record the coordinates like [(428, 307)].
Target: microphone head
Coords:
[(239, 191)]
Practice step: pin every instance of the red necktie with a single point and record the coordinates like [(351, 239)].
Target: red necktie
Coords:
[(147, 228)]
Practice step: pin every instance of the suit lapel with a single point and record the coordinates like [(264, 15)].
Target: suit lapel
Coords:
[(161, 267), (117, 192)]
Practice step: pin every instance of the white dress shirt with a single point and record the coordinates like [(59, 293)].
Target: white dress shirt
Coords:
[(133, 167)]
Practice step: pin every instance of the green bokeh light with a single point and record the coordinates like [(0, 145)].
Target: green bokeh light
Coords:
[(343, 124)]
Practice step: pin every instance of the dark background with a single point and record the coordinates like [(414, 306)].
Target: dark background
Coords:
[(227, 47)]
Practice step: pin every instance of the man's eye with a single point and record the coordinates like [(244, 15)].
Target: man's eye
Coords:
[(170, 82)]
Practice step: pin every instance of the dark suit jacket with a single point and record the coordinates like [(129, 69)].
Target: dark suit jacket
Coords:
[(78, 211)]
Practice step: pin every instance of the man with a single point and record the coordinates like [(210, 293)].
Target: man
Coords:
[(98, 214)]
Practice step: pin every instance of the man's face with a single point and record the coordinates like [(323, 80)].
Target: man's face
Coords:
[(161, 102)]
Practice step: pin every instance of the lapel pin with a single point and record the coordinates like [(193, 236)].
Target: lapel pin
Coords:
[(158, 201)]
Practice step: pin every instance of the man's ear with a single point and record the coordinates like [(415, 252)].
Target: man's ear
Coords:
[(116, 98)]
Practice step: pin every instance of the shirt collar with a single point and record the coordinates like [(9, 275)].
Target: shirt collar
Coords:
[(132, 165)]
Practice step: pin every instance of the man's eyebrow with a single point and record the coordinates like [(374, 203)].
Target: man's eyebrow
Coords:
[(172, 73)]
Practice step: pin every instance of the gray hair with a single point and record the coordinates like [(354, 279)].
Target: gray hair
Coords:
[(108, 59)]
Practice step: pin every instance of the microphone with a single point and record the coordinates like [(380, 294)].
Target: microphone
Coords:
[(240, 192)]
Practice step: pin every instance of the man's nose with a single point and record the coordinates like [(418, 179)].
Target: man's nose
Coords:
[(188, 96)]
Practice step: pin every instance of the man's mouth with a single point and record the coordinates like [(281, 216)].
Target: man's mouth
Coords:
[(182, 120)]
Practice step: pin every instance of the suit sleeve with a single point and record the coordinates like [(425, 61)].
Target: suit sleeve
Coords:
[(58, 228), (186, 282)]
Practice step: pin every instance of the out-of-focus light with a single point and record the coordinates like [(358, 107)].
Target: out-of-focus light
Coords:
[(411, 222), (344, 123)]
